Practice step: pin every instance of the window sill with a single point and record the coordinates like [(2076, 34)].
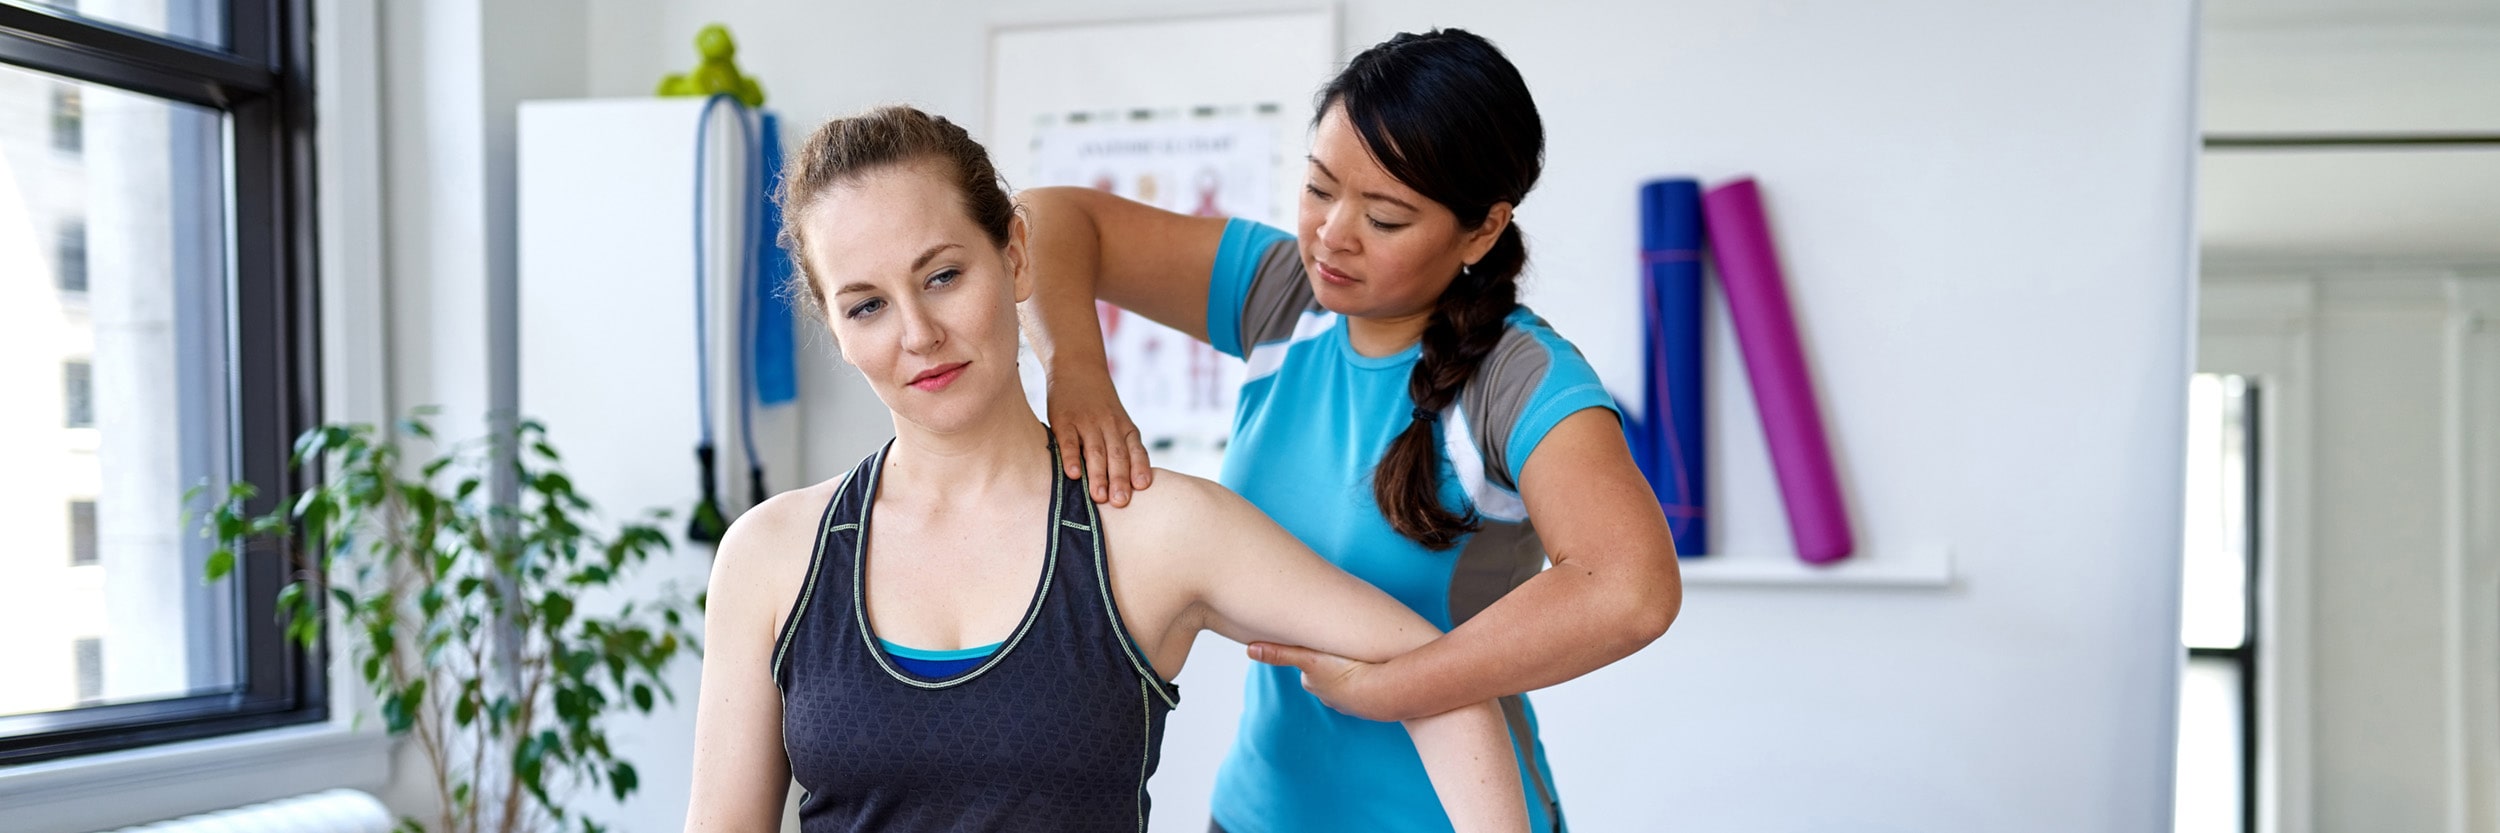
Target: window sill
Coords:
[(137, 786)]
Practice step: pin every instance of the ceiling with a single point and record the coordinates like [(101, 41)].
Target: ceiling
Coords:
[(2274, 67)]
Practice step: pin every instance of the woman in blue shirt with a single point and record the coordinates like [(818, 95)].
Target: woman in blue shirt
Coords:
[(1402, 415)]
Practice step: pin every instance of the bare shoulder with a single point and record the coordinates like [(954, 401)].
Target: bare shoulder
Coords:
[(1176, 507), (1166, 523), (763, 559), (1165, 549)]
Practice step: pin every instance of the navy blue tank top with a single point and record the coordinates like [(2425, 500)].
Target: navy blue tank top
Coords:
[(1057, 730)]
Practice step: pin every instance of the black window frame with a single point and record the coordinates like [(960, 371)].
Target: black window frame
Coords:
[(261, 83), (2244, 656)]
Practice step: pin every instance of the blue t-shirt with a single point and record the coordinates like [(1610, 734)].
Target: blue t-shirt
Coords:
[(1313, 420)]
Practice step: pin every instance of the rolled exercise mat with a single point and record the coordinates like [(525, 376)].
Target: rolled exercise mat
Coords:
[(1671, 364), (1766, 332)]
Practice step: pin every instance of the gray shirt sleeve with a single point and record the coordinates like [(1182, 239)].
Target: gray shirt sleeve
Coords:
[(1280, 291)]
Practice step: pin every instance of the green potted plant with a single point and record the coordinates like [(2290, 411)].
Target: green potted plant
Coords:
[(465, 616)]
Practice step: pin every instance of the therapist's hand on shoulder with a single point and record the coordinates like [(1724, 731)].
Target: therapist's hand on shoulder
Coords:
[(1341, 683), (1097, 439)]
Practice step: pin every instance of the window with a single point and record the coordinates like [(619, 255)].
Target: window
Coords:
[(82, 552), (78, 394), (192, 361), (69, 251), (2217, 773), (90, 662), (69, 121)]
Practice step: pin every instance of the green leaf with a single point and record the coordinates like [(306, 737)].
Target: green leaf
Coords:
[(305, 629), (556, 608), (398, 714), (642, 697), (220, 563), (569, 703), (623, 780)]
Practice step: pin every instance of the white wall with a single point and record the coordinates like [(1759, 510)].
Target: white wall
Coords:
[(1985, 215)]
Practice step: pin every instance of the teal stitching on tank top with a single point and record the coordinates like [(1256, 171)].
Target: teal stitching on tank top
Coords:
[(807, 593), (1128, 644), (807, 590), (1147, 708), (859, 576)]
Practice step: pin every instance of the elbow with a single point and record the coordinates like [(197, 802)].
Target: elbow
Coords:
[(1650, 606)]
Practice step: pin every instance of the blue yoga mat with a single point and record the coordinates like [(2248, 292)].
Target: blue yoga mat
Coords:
[(1669, 429)]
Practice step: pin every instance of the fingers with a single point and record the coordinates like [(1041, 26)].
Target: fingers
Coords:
[(1117, 477), (1095, 466), (1141, 470), (1281, 655), (1074, 463)]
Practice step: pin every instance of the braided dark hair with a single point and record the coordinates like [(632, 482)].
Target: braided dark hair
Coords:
[(1445, 113)]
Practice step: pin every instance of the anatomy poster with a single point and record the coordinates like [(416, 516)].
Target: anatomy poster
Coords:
[(1179, 390)]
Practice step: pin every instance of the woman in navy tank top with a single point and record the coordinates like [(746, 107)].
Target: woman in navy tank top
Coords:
[(953, 636)]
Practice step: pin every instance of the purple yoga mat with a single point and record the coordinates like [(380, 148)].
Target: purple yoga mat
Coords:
[(1766, 331)]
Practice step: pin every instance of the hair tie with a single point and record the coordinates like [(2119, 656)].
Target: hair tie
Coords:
[(1422, 415)]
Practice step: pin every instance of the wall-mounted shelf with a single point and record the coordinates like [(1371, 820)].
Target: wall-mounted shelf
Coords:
[(1905, 567)]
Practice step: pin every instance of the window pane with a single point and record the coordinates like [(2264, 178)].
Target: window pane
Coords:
[(69, 255), (202, 22), (69, 127), (2214, 587), (77, 394), (82, 552), (113, 400), (2209, 779)]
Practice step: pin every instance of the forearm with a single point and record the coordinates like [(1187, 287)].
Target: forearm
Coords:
[(1467, 753), (1065, 249), (1561, 624)]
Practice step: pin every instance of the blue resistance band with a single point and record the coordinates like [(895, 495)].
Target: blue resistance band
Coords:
[(708, 522)]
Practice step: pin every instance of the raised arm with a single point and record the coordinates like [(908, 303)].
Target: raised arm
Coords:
[(1250, 580), (1086, 245), (741, 777)]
